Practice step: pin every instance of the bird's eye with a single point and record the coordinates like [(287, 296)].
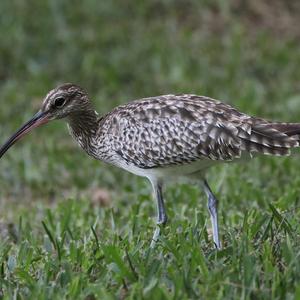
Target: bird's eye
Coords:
[(59, 102)]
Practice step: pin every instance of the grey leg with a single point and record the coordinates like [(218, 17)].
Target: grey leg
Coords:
[(161, 212), (213, 211)]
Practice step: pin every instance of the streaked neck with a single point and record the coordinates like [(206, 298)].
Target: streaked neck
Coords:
[(83, 126)]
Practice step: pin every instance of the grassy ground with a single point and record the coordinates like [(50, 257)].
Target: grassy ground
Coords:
[(74, 228)]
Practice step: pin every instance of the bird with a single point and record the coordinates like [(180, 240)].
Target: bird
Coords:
[(164, 137)]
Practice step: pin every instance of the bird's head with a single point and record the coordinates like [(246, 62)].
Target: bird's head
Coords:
[(61, 102)]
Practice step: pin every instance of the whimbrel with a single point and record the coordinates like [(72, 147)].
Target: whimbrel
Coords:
[(163, 137)]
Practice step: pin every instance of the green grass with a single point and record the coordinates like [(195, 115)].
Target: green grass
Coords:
[(55, 242)]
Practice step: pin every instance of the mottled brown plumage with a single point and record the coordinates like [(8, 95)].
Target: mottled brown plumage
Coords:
[(179, 129), (164, 136)]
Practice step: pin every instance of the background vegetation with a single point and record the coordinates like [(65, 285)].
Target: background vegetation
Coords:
[(74, 228)]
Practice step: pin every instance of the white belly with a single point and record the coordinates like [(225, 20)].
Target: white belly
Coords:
[(168, 172)]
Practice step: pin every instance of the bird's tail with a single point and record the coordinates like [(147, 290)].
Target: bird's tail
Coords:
[(273, 138), (290, 129)]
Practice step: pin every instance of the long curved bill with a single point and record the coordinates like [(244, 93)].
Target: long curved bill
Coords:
[(38, 119)]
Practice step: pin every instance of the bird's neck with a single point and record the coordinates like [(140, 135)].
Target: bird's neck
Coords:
[(83, 127)]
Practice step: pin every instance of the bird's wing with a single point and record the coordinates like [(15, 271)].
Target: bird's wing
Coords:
[(178, 129)]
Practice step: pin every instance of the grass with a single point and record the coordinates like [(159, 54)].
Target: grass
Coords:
[(56, 243)]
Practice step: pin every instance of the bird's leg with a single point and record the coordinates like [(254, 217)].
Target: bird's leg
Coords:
[(161, 211), (212, 205)]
